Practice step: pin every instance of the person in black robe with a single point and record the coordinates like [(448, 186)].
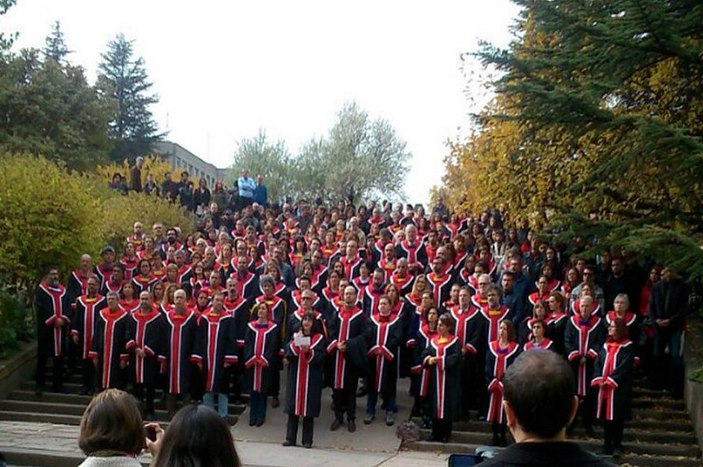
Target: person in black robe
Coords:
[(109, 348), (87, 307), (304, 392), (180, 325), (443, 357), (419, 375), (584, 336), (239, 308), (52, 307), (144, 344), (613, 380), (385, 335), (349, 361), (215, 352), (261, 347), (295, 319)]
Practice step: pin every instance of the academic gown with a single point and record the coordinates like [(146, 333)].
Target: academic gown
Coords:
[(146, 332), (179, 339), (261, 347), (83, 323), (445, 377), (215, 345), (556, 328), (109, 347), (583, 339), (614, 369), (420, 381), (303, 396), (348, 326), (385, 336), (51, 304), (497, 362)]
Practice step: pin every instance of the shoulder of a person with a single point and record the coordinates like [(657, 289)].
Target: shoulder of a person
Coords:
[(562, 453), (116, 461)]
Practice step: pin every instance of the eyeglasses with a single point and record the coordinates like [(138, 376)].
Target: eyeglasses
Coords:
[(307, 298)]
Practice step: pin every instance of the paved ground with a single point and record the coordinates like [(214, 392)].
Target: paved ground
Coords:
[(371, 445)]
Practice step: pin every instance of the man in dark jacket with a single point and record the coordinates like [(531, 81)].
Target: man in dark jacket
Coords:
[(668, 304), (135, 181), (539, 404)]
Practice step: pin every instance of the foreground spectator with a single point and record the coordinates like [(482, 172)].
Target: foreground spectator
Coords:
[(539, 404), (197, 435), (112, 431)]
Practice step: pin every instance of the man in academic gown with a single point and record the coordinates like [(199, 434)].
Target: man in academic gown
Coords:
[(109, 350), (83, 328)]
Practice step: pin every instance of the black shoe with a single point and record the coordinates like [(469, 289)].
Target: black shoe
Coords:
[(307, 445), (252, 422), (260, 422), (335, 424), (390, 418), (618, 452), (351, 426), (287, 443), (368, 418), (275, 402)]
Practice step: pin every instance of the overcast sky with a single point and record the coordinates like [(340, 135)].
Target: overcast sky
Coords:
[(224, 69)]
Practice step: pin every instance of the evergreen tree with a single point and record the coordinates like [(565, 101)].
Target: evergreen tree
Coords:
[(123, 79), (597, 126), (54, 46)]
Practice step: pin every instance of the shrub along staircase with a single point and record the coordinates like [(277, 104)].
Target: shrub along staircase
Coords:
[(659, 434), (24, 405)]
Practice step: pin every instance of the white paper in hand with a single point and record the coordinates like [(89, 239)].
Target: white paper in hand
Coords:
[(301, 340)]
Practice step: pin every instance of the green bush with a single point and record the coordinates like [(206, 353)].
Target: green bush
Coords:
[(16, 322)]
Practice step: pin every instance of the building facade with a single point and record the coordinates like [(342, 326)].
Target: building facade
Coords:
[(182, 159)]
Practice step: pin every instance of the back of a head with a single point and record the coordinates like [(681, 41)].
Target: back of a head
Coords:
[(112, 422), (197, 437), (539, 387)]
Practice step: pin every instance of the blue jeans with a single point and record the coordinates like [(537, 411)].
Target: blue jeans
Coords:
[(671, 375), (222, 402), (257, 406), (372, 397)]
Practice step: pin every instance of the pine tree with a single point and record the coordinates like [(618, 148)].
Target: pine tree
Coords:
[(123, 79), (55, 46)]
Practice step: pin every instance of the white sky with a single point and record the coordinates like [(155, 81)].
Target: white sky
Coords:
[(224, 69)]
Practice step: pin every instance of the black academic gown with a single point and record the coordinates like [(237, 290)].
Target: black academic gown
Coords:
[(179, 331), (583, 339), (350, 327), (145, 332), (51, 303), (262, 344), (385, 336), (305, 377), (445, 385), (614, 369), (109, 347), (215, 345), (83, 322)]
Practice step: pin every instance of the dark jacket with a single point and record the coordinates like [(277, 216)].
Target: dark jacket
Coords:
[(554, 453), (669, 300)]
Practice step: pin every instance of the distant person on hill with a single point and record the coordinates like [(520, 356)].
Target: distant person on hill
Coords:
[(246, 187), (261, 192), (135, 180), (539, 403)]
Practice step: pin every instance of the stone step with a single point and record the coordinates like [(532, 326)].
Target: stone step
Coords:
[(52, 397), (659, 403), (56, 408), (657, 413), (635, 458), (480, 433)]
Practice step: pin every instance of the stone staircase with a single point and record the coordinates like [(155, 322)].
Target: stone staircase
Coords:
[(659, 434)]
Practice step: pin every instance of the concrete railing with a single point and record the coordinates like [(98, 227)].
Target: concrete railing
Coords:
[(18, 368), (693, 391)]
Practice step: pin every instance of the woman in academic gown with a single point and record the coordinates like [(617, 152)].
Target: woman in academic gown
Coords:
[(442, 358), (304, 392), (420, 376), (500, 355), (613, 380), (262, 343)]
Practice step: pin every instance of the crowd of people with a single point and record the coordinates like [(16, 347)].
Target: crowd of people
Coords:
[(355, 299)]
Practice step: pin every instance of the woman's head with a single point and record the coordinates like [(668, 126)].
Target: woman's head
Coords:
[(112, 422), (197, 435)]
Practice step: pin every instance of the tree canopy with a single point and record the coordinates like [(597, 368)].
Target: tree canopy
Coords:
[(123, 80), (359, 158), (596, 126)]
